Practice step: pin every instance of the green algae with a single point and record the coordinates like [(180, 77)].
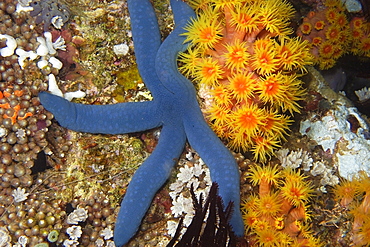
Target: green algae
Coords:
[(53, 236), (128, 79)]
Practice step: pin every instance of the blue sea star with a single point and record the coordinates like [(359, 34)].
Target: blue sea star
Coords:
[(174, 108)]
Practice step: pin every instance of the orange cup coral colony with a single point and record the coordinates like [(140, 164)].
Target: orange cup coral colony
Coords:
[(332, 35), (242, 56), (278, 214), (355, 196)]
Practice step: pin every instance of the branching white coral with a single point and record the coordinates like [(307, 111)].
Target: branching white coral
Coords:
[(70, 243), (47, 49), (20, 194), (54, 89), (99, 242), (23, 55), (110, 243), (78, 215), (59, 43), (22, 241), (74, 232), (55, 63), (107, 233), (24, 3), (193, 172), (4, 237), (11, 44), (57, 22), (328, 178), (363, 94), (294, 159)]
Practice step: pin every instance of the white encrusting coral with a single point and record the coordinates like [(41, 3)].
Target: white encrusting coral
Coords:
[(352, 6), (121, 49), (349, 147)]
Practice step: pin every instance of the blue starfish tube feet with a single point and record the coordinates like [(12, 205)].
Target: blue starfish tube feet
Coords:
[(174, 108)]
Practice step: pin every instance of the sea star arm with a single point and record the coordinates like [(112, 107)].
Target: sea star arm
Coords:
[(221, 163), (104, 119), (147, 39), (166, 59), (147, 180)]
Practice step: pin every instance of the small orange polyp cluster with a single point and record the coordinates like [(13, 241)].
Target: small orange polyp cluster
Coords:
[(355, 196), (14, 110), (360, 32), (278, 214), (332, 35), (242, 56)]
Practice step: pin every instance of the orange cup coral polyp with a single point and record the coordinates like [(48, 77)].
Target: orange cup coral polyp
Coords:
[(242, 56)]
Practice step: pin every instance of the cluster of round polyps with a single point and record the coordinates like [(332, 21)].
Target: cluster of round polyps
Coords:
[(241, 53), (360, 29), (33, 219), (332, 35), (23, 127), (278, 215), (22, 119), (328, 32)]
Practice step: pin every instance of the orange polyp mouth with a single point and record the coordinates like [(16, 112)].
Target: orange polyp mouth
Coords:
[(328, 49), (319, 25), (208, 71), (248, 120), (272, 89), (207, 34), (306, 28)]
